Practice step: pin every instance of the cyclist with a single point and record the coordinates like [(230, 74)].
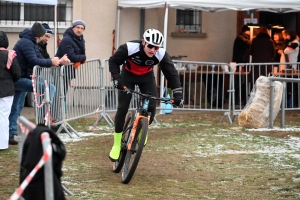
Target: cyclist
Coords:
[(138, 59)]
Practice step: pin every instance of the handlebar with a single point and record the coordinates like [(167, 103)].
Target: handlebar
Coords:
[(148, 96)]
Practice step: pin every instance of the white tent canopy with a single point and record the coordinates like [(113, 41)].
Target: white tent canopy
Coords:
[(277, 6), (215, 5)]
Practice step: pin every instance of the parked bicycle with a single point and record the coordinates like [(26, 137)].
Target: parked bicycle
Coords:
[(134, 135)]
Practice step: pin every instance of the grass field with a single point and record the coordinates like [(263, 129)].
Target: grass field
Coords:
[(188, 156)]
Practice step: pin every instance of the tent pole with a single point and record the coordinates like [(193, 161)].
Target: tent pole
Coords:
[(166, 26), (162, 77), (55, 29)]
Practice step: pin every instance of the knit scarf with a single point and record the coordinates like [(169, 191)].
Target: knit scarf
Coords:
[(11, 55)]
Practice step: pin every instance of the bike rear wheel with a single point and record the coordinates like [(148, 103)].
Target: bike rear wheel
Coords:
[(117, 166), (133, 156)]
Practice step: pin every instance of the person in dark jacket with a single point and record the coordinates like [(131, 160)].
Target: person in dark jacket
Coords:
[(43, 44), (43, 49), (28, 55), (73, 44), (241, 46), (241, 54), (138, 59), (9, 73), (262, 50)]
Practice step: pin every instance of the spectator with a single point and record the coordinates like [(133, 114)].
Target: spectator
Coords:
[(44, 42), (73, 44), (279, 45), (9, 73), (298, 35), (292, 49), (28, 55), (290, 55), (286, 35), (262, 50), (241, 48), (138, 59), (43, 49)]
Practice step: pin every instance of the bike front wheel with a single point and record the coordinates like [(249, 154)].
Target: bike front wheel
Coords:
[(117, 166), (133, 155)]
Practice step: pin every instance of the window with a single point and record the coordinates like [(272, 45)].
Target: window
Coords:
[(9, 11), (39, 12), (188, 21), (61, 12), (16, 14)]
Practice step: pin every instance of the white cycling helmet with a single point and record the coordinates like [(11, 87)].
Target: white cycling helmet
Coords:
[(154, 37)]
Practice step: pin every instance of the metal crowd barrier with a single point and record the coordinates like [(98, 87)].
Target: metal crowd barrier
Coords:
[(272, 86), (77, 92), (111, 94), (245, 75), (207, 86)]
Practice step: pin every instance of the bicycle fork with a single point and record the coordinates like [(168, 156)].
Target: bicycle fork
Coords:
[(133, 130)]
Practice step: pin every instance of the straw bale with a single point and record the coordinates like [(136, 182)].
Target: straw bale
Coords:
[(256, 112)]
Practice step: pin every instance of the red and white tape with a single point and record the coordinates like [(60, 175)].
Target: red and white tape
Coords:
[(17, 194), (35, 94), (48, 115), (43, 101), (97, 114), (25, 130)]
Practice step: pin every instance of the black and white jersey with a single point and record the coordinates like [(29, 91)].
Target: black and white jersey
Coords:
[(133, 59)]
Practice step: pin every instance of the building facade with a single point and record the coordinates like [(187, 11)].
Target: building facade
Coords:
[(202, 36)]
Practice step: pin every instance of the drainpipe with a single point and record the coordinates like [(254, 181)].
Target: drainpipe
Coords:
[(142, 22), (118, 26)]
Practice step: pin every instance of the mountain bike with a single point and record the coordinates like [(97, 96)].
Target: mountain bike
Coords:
[(134, 134)]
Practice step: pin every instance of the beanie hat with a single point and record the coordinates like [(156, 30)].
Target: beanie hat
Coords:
[(78, 22), (48, 29), (245, 28), (38, 30)]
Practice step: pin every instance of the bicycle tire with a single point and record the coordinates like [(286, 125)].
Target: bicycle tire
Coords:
[(133, 156), (117, 166)]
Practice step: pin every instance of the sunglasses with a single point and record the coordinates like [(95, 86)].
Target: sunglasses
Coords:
[(150, 46)]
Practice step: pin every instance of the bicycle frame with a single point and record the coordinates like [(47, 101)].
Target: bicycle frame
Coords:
[(143, 108)]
